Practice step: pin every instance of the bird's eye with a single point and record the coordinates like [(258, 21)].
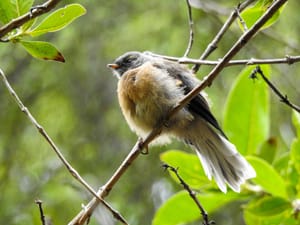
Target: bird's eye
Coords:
[(130, 59)]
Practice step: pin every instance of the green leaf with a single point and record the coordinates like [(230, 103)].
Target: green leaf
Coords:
[(252, 14), (281, 163), (246, 118), (268, 178), (10, 9), (268, 206), (267, 211), (296, 122), (268, 150), (295, 154), (58, 19), (189, 167), (22, 6), (180, 208), (7, 11), (42, 50)]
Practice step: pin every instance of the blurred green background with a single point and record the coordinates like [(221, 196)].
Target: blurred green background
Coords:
[(76, 103)]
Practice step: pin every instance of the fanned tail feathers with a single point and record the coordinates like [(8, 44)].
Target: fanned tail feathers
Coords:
[(220, 158)]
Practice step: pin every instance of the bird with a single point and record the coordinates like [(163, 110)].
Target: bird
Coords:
[(149, 87)]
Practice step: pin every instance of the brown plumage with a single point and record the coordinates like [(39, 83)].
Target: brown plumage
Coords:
[(149, 87)]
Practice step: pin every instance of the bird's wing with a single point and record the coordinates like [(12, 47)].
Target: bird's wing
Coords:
[(187, 82)]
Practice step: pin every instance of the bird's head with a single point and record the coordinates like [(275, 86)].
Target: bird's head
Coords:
[(127, 61)]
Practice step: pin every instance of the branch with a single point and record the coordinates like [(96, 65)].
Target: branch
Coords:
[(214, 44), (283, 98), (42, 216), (34, 12), (191, 36), (191, 193), (82, 216), (287, 60), (41, 130)]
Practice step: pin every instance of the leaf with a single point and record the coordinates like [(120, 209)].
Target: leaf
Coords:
[(296, 122), (246, 118), (268, 150), (42, 50), (268, 211), (295, 154), (268, 206), (281, 163), (252, 14), (22, 6), (268, 178), (189, 167), (180, 208), (58, 19), (7, 11)]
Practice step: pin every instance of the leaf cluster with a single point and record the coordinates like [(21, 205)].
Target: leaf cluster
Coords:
[(56, 21)]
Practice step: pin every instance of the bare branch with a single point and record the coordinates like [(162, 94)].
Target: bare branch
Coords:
[(191, 36), (242, 21), (214, 44), (191, 193), (42, 131), (287, 60), (39, 203), (283, 98), (34, 12), (81, 217)]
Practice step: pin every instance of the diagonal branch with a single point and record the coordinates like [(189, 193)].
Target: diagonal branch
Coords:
[(83, 215), (42, 131), (214, 43), (191, 193), (35, 12), (283, 98)]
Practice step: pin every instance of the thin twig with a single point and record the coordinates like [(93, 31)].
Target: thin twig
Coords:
[(35, 12), (287, 60), (191, 193), (81, 217), (283, 98), (214, 43), (39, 203), (242, 21), (191, 36), (43, 132)]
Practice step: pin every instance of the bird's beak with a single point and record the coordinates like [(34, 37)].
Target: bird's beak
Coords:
[(113, 66)]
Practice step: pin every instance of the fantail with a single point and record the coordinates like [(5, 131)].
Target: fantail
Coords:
[(148, 89)]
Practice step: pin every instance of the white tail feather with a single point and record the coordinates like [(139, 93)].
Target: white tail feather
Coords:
[(220, 158)]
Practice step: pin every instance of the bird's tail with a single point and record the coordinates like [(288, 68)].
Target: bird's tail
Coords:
[(220, 159)]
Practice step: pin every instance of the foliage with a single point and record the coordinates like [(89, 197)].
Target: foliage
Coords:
[(252, 14), (54, 22), (246, 116), (76, 104)]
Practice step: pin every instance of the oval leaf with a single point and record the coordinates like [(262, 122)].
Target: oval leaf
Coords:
[(22, 6), (268, 178), (246, 120), (7, 11), (42, 50), (268, 206), (268, 150), (58, 19), (189, 167), (296, 122), (295, 154), (181, 209), (252, 14)]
